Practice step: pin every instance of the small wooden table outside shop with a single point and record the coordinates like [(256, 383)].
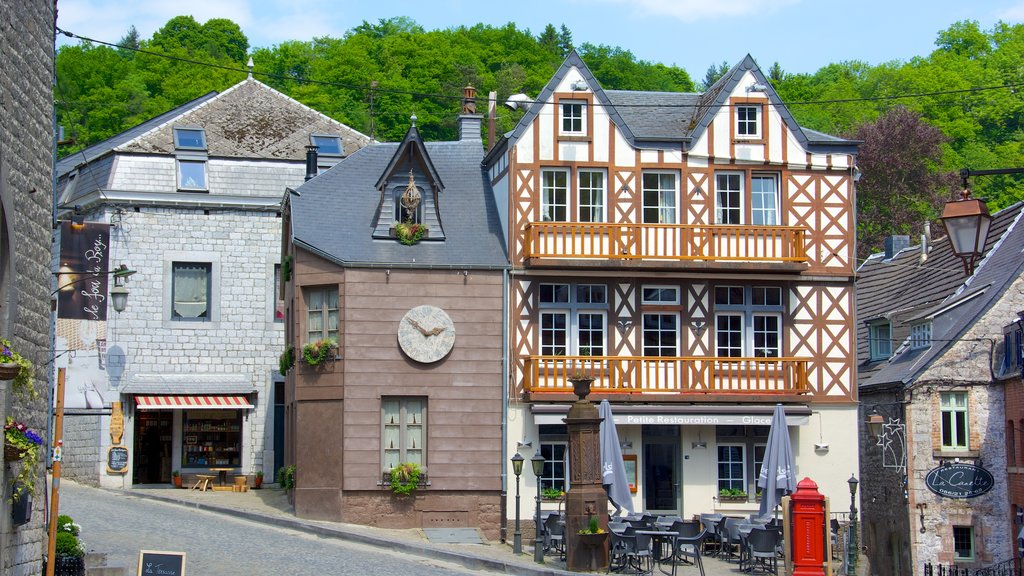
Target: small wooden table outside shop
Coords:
[(223, 472)]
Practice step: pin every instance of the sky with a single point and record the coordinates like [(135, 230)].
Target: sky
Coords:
[(801, 35)]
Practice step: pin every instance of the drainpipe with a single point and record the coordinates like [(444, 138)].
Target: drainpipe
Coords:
[(504, 405), (311, 162)]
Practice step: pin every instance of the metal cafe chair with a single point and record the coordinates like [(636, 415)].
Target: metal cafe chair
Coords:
[(554, 534), (687, 544), (762, 543)]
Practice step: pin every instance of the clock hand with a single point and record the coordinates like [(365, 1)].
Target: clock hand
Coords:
[(435, 331), (417, 326)]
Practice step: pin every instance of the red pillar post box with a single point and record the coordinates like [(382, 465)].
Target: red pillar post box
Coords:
[(808, 530)]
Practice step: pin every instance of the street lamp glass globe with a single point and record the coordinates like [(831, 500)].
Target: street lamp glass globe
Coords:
[(517, 464)]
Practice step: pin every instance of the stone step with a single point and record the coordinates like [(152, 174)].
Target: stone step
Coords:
[(112, 570), (95, 559)]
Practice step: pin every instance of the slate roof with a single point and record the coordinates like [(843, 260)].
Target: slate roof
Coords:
[(675, 116), (248, 120), (904, 289), (333, 214)]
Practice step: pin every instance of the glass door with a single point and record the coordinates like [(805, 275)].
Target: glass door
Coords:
[(661, 469)]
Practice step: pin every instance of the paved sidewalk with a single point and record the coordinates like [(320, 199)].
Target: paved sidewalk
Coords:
[(270, 506)]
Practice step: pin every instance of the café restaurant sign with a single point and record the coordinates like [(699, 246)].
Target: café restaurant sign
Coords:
[(959, 480)]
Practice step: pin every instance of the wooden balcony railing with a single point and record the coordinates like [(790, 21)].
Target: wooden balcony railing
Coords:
[(664, 242), (668, 375)]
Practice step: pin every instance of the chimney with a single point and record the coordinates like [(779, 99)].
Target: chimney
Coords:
[(492, 113), (469, 120), (311, 168), (893, 244)]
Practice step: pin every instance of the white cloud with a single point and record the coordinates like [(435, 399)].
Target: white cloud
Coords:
[(694, 10)]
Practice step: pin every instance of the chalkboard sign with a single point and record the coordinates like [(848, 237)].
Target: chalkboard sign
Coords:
[(117, 459), (157, 563)]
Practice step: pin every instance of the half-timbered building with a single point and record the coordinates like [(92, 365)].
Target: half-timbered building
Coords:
[(694, 253)]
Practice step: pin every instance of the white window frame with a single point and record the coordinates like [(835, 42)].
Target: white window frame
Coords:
[(748, 121), (547, 327), (954, 415), (552, 207), (760, 214), (747, 312), (208, 314), (570, 301), (550, 479), (879, 343), (326, 310), (569, 122), (765, 351), (655, 294), (721, 210), (921, 335), (595, 212), (315, 139), (665, 214), (182, 184), (181, 130), (406, 452), (660, 348), (730, 480)]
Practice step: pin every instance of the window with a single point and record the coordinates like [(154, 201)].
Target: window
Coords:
[(731, 467), (660, 295), (953, 409), (764, 201), (921, 335), (192, 175), (190, 138), (880, 341), (748, 321), (404, 434), (278, 297), (747, 123), (590, 192), (728, 198), (326, 145), (554, 195), (573, 117), (402, 214), (322, 313), (573, 319), (556, 466), (659, 197), (190, 291), (963, 543), (661, 334)]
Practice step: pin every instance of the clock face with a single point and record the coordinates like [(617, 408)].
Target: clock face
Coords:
[(426, 334)]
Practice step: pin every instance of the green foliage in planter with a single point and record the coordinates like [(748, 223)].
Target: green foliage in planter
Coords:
[(592, 527), (68, 545), (405, 478), (409, 233), (286, 477), (551, 493), (316, 353), (731, 493), (22, 383), (66, 524), (29, 445), (286, 360)]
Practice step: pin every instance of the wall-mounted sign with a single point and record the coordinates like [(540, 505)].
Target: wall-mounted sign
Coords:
[(959, 480), (116, 422), (117, 459)]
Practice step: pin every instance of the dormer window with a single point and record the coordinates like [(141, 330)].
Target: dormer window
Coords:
[(326, 144), (190, 139), (573, 116), (880, 340), (403, 214), (921, 335), (192, 174)]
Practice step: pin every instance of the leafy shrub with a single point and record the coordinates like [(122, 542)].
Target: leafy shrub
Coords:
[(286, 477), (67, 544), (66, 524)]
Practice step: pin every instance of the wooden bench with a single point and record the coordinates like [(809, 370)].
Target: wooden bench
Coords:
[(203, 482)]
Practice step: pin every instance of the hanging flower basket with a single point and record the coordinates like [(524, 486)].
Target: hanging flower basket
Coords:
[(12, 453), (22, 444), (14, 366), (9, 371)]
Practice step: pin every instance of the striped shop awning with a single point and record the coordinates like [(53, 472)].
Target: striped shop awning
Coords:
[(179, 402)]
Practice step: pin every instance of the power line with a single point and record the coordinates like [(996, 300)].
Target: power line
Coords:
[(378, 89)]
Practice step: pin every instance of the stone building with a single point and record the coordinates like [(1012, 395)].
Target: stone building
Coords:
[(193, 199), (413, 372), (933, 406), (26, 168)]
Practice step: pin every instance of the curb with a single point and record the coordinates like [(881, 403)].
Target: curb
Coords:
[(465, 560)]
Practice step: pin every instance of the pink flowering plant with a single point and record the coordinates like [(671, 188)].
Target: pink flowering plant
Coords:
[(23, 381), (28, 445)]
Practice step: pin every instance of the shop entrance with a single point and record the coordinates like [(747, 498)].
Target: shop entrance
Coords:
[(661, 469), (153, 446)]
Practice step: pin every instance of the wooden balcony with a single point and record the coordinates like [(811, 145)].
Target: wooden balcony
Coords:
[(655, 378), (665, 242)]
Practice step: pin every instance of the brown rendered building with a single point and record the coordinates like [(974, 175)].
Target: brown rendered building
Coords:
[(416, 374)]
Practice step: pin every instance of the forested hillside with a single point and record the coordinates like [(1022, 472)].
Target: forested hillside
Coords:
[(921, 121)]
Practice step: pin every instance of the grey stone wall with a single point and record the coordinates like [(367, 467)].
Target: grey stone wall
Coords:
[(26, 167), (81, 461)]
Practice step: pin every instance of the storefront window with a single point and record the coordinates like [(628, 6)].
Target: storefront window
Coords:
[(211, 438)]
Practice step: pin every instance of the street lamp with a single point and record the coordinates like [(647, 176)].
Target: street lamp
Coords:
[(537, 461), (517, 537), (118, 293), (967, 221), (874, 423), (851, 552)]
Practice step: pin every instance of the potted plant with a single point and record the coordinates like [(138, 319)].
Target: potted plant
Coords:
[(69, 554), (316, 353), (14, 366), (21, 443), (405, 477), (732, 495), (258, 480), (176, 479), (552, 494), (595, 541), (408, 232), (286, 360), (286, 477)]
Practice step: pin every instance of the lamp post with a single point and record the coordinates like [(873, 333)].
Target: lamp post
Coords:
[(537, 461), (967, 221), (118, 299), (517, 537), (851, 551)]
